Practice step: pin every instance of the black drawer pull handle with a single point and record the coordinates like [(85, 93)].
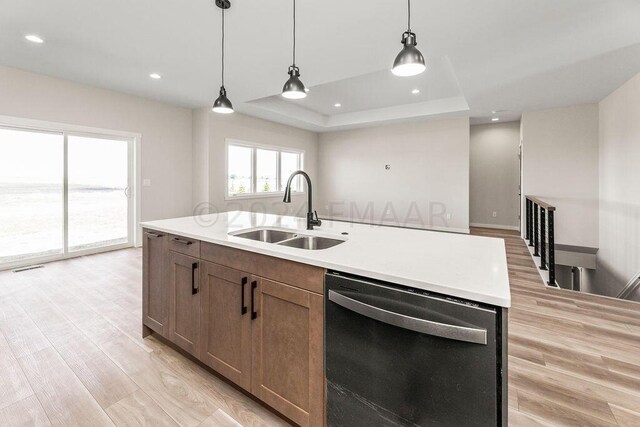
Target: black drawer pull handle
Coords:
[(254, 313), (182, 241), (243, 308), (194, 289), (153, 235)]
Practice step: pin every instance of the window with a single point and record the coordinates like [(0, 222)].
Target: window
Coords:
[(255, 170), (266, 171), (240, 176)]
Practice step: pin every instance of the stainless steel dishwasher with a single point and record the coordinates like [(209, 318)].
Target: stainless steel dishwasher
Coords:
[(396, 356)]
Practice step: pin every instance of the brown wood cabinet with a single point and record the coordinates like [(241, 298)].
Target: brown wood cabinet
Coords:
[(226, 322), (184, 301), (287, 365), (255, 319), (154, 289)]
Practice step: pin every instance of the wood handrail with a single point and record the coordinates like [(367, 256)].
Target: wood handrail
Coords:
[(541, 203)]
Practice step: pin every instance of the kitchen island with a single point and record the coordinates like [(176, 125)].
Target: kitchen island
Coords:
[(236, 291)]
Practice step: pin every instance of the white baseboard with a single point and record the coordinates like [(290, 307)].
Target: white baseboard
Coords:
[(496, 226)]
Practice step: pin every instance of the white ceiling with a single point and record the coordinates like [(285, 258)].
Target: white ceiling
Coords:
[(370, 98), (512, 55)]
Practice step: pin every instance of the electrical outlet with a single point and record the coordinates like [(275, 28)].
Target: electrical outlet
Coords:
[(146, 182), (495, 214), (448, 216)]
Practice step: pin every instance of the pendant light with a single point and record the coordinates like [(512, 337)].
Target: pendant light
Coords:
[(294, 88), (409, 61), (222, 105)]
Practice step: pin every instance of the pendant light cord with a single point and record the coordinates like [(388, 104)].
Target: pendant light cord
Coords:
[(222, 47), (294, 33), (409, 15)]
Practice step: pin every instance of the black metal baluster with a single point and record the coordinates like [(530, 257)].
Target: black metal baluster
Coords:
[(543, 238), (526, 228), (536, 236), (530, 222), (531, 229), (552, 250)]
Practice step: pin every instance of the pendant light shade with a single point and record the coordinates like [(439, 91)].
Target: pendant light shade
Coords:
[(294, 88), (409, 61), (222, 105)]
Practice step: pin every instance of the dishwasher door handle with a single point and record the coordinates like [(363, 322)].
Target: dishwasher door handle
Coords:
[(443, 330)]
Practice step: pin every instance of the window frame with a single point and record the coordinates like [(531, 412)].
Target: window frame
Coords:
[(254, 194)]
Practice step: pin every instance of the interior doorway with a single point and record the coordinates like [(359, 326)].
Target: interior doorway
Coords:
[(494, 176)]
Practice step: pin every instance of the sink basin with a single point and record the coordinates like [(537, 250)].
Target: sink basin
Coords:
[(311, 242), (267, 235)]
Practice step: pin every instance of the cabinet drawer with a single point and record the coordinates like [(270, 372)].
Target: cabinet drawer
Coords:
[(184, 245)]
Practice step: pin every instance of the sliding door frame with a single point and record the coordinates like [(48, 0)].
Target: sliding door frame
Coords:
[(133, 180)]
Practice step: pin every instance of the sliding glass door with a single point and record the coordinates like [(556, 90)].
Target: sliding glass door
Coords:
[(62, 195), (98, 195), (31, 195)]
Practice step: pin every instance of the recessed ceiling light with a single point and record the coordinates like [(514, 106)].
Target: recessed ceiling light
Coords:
[(337, 105), (155, 76), (415, 91), (495, 119), (33, 38)]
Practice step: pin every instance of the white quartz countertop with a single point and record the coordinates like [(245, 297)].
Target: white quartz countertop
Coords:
[(463, 266)]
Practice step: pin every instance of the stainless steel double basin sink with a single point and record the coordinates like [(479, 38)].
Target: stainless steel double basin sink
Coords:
[(289, 238)]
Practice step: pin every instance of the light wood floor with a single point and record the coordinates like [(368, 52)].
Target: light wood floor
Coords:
[(71, 353), (574, 359)]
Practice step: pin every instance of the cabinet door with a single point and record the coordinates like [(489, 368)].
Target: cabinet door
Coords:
[(184, 301), (154, 284), (287, 368), (226, 323)]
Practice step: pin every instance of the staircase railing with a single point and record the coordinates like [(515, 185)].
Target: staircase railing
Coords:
[(540, 231), (630, 287)]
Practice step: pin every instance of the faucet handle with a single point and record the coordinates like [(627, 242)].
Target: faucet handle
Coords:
[(317, 220)]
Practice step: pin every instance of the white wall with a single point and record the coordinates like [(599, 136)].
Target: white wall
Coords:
[(428, 177), (211, 130), (200, 175), (165, 129), (560, 165), (619, 255), (494, 175)]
